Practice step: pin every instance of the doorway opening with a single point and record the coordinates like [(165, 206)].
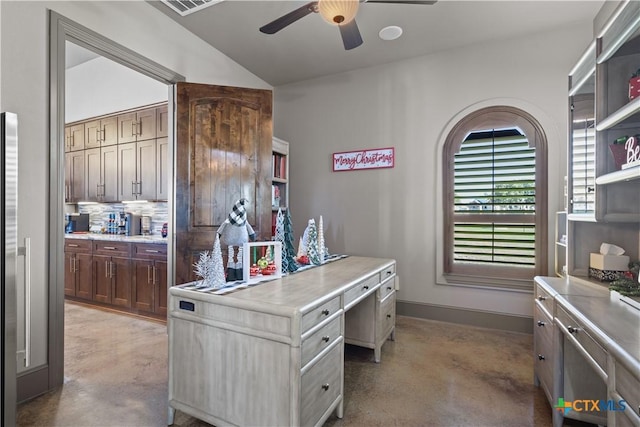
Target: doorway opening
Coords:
[(63, 30)]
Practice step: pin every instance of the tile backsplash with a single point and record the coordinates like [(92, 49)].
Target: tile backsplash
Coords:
[(99, 212)]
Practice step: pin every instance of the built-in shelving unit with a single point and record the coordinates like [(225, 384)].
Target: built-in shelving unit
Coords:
[(279, 178), (561, 244), (603, 198)]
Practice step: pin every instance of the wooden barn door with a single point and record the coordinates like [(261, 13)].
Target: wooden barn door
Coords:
[(223, 153)]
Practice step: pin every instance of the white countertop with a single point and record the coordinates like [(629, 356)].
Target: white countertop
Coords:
[(154, 238)]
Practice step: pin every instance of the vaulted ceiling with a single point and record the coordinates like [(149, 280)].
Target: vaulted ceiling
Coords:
[(310, 47)]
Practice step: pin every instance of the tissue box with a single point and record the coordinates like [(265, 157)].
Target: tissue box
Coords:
[(609, 262)]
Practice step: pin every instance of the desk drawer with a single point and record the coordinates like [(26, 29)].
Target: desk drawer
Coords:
[(359, 290), (386, 288), (321, 339), (571, 327), (77, 245), (157, 251), (320, 386), (320, 313), (387, 272), (386, 316), (101, 247), (628, 386), (544, 298)]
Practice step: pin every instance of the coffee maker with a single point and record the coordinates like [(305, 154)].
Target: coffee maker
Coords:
[(132, 224)]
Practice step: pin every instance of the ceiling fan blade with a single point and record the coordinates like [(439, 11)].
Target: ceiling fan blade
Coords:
[(288, 19), (350, 35), (403, 1)]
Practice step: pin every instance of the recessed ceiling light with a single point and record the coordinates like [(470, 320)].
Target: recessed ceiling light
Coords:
[(391, 32)]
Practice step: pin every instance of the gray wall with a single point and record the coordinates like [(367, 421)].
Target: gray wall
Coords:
[(411, 105)]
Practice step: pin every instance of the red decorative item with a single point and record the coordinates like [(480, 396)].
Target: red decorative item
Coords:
[(634, 87), (254, 270), (303, 259), (269, 269), (624, 153)]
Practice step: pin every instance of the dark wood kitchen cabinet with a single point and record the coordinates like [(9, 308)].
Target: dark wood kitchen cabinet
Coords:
[(101, 171), (137, 173), (150, 284), (101, 132), (112, 273), (74, 137), (74, 177), (137, 125), (78, 269)]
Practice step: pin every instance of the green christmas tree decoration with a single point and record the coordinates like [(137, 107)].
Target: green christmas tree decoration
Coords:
[(289, 264)]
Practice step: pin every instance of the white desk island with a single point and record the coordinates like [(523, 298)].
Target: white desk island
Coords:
[(272, 354)]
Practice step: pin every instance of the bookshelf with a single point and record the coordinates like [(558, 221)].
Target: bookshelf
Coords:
[(279, 178)]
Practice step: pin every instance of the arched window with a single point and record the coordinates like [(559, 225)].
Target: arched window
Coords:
[(495, 199)]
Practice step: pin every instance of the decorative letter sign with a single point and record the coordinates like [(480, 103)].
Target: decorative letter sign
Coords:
[(364, 159)]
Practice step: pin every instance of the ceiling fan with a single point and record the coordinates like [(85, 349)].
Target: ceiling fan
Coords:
[(337, 12)]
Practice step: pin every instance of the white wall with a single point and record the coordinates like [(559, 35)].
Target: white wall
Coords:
[(101, 86), (25, 90), (409, 105)]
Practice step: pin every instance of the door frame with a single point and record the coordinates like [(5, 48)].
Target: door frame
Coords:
[(62, 29)]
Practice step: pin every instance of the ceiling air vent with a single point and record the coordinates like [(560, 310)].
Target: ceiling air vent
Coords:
[(185, 7)]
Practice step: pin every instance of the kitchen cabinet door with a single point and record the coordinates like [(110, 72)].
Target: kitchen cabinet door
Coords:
[(93, 174), (121, 279), (75, 189), (161, 288), (92, 134), (109, 173), (69, 275), (84, 276), (163, 169), (101, 279), (143, 290), (146, 169), (162, 115), (127, 181), (74, 137)]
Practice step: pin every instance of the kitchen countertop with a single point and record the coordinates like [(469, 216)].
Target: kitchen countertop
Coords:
[(154, 238)]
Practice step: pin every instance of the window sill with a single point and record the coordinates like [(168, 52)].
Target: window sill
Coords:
[(494, 283)]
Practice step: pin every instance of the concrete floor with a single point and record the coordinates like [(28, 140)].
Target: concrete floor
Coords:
[(434, 374)]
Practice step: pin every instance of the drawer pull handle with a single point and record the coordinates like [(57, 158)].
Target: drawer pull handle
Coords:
[(151, 251), (388, 288), (326, 338), (71, 245), (325, 312), (541, 357), (541, 298), (325, 387), (572, 330), (365, 287), (111, 248), (388, 273), (541, 323)]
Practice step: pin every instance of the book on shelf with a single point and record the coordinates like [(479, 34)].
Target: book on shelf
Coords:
[(275, 196), (279, 165)]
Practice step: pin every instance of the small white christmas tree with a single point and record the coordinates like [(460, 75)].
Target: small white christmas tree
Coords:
[(312, 243), (321, 253), (202, 269), (217, 279), (210, 268)]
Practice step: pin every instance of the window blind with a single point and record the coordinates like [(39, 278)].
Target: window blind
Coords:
[(583, 167), (494, 200)]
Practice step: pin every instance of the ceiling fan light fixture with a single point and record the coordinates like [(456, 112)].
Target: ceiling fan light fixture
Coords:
[(338, 12), (391, 32)]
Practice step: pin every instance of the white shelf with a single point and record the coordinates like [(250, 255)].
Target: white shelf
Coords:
[(628, 174), (626, 111)]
